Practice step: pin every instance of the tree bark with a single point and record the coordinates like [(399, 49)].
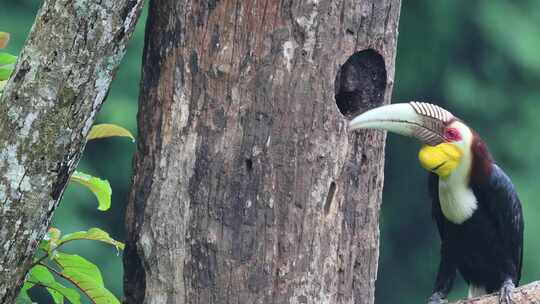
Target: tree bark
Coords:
[(248, 186), (61, 78)]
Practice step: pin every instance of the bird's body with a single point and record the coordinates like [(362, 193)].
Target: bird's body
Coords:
[(486, 248), (475, 206)]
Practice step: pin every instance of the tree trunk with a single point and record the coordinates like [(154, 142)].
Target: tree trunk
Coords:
[(249, 187), (47, 108)]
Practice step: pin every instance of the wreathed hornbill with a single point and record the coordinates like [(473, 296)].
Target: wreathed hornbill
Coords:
[(475, 205)]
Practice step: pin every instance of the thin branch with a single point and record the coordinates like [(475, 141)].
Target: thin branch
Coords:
[(40, 260), (45, 286), (526, 294)]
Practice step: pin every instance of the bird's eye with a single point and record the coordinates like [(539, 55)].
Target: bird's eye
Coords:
[(452, 134)]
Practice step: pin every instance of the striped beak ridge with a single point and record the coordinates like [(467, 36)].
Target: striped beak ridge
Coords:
[(423, 121)]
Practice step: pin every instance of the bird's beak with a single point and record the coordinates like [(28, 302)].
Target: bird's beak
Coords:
[(422, 121)]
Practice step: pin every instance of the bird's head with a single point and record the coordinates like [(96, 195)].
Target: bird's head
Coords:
[(447, 140)]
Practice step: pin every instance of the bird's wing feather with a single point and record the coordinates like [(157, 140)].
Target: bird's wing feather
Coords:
[(502, 202)]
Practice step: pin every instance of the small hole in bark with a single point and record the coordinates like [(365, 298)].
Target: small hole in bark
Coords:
[(360, 83), (330, 197), (364, 158), (120, 35), (249, 164)]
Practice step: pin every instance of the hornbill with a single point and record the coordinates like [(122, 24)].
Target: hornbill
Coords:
[(475, 205)]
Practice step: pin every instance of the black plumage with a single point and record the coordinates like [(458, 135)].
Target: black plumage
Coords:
[(487, 248), (481, 228)]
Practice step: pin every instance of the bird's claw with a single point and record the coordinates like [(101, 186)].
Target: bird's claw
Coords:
[(505, 295), (437, 298)]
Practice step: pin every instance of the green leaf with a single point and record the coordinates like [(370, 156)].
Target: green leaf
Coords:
[(4, 39), (40, 275), (54, 234), (51, 240), (94, 234), (7, 58), (101, 188), (5, 71), (86, 276), (23, 297), (44, 245), (108, 130), (7, 64)]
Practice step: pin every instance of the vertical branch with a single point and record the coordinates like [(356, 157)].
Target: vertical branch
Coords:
[(60, 81)]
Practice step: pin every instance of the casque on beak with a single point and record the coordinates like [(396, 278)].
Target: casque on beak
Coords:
[(423, 121)]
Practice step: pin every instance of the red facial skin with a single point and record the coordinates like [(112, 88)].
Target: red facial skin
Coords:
[(452, 134), (481, 162)]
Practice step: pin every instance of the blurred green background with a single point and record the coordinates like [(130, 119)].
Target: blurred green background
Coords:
[(479, 59)]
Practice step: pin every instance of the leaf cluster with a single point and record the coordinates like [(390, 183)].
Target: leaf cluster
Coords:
[(51, 263)]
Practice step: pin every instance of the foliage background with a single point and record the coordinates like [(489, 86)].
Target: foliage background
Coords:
[(479, 59)]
